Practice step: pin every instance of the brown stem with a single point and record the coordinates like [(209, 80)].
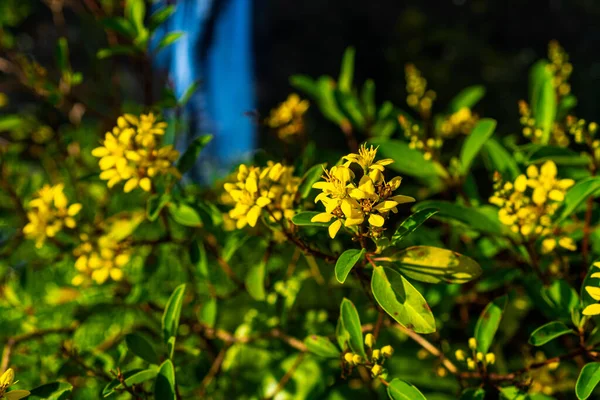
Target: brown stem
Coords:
[(213, 371), (286, 378)]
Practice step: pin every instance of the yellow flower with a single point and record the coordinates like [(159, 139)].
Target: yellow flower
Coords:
[(6, 380), (130, 153), (352, 205), (272, 188), (100, 259), (287, 117), (49, 213)]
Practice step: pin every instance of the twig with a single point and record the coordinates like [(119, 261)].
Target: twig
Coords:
[(286, 378), (213, 371)]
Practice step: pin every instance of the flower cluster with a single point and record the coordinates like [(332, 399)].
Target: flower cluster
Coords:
[(272, 189), (6, 380), (560, 67), (419, 98), (534, 133), (363, 207), (584, 133), (99, 259), (594, 292), (528, 204), (459, 123), (477, 359), (418, 140), (131, 153), (50, 212), (287, 119), (375, 357)]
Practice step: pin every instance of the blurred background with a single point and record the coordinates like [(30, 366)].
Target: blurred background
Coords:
[(242, 53)]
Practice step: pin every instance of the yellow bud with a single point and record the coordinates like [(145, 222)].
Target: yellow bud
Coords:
[(376, 354), (490, 358), (356, 359), (470, 363), (369, 340), (376, 370), (460, 355), (479, 356), (387, 351), (472, 343), (348, 358)]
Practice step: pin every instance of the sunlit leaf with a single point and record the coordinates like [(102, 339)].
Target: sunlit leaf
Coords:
[(304, 219), (481, 133), (488, 323), (467, 98), (410, 224), (321, 346), (402, 390), (548, 332), (401, 300), (164, 386), (588, 380), (170, 318), (351, 323), (346, 262)]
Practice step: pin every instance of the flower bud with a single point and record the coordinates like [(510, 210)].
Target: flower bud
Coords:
[(356, 359), (348, 357), (376, 354), (470, 363), (479, 356), (460, 355), (472, 343), (369, 340), (387, 351), (376, 370), (490, 358)]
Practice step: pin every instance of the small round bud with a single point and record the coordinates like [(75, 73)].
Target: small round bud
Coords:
[(376, 355), (348, 358), (356, 359), (479, 356), (470, 363), (369, 340), (490, 358), (387, 351), (472, 343), (460, 355), (376, 370)]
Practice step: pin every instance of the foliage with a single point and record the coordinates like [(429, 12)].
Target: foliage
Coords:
[(435, 257)]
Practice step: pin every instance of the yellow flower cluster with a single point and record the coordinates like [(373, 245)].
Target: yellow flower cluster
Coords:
[(131, 153), (272, 188), (477, 359), (6, 380), (459, 123), (416, 134), (50, 212), (584, 133), (530, 131), (528, 204), (100, 258), (363, 207), (594, 292), (418, 97), (375, 357), (287, 117), (560, 67)]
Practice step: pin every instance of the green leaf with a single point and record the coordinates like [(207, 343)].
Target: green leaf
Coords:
[(303, 219), (341, 334), (434, 265), (410, 224), (155, 204), (305, 84), (255, 281), (160, 16), (208, 312), (467, 98), (588, 380), (164, 386), (350, 106), (467, 215), (497, 158), (351, 323), (548, 332), (134, 377), (577, 195), (488, 323), (401, 300), (542, 98), (115, 51), (11, 122), (312, 176), (326, 99), (168, 40), (121, 25), (321, 346), (52, 391), (368, 98), (347, 70), (407, 161), (187, 95), (402, 390), (480, 134), (189, 157), (62, 55), (559, 155), (184, 214), (139, 346), (135, 11), (473, 394), (170, 318), (346, 262)]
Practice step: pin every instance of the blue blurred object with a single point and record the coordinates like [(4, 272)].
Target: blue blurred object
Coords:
[(215, 50)]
